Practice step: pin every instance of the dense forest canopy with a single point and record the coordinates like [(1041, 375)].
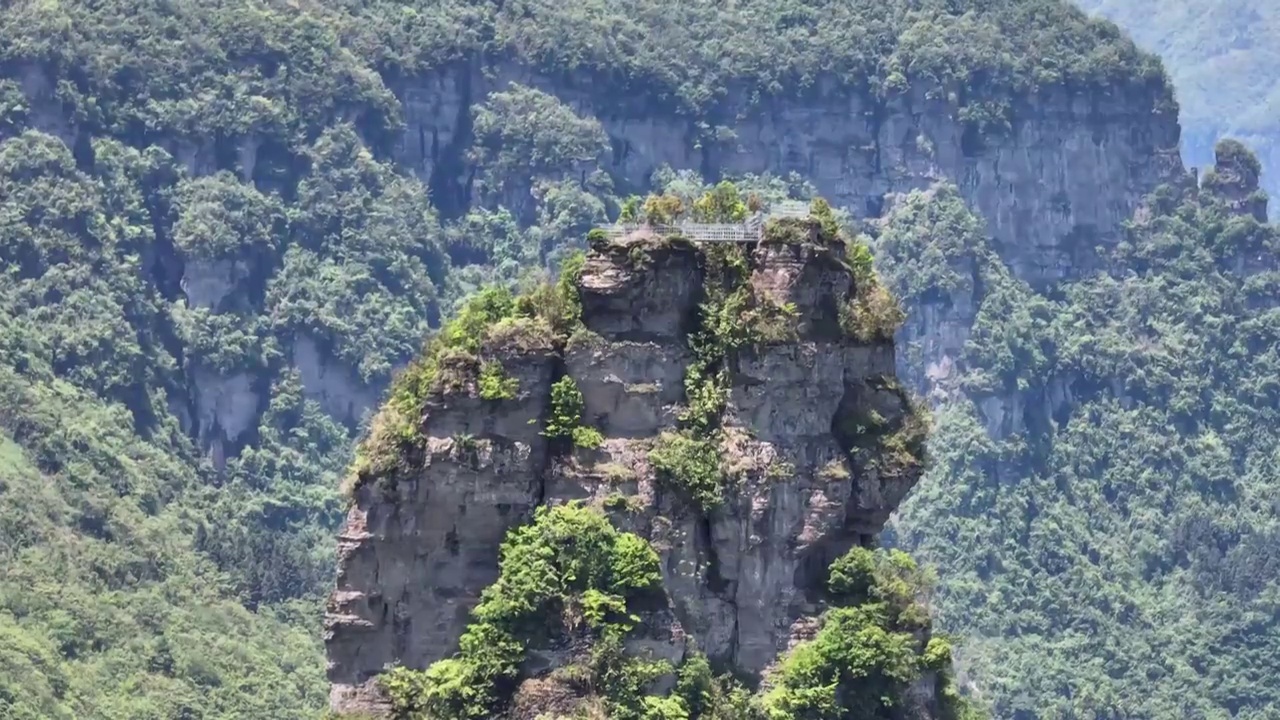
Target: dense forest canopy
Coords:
[(199, 198), (1113, 557), (281, 72)]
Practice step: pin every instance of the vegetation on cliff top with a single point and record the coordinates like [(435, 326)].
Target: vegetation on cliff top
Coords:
[(342, 57), (466, 356), (695, 55)]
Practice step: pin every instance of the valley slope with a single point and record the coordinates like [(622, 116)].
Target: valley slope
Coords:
[(226, 224)]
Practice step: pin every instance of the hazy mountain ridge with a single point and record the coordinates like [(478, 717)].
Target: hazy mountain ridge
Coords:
[(1220, 57)]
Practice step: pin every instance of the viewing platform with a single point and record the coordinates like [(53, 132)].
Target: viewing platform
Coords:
[(751, 231)]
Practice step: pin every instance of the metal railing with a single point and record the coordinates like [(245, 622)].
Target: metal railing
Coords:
[(698, 232), (790, 209), (750, 231)]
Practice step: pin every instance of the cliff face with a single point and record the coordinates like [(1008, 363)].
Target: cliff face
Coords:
[(805, 442), (942, 259), (1053, 186), (415, 553)]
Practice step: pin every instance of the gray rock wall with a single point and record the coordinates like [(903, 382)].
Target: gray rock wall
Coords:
[(1055, 185), (415, 552)]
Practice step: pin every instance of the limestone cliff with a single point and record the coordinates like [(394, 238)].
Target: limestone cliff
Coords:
[(815, 442), (1064, 162), (941, 258), (1053, 187)]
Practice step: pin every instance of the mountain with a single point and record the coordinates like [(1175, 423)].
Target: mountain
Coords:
[(227, 225), (731, 409), (1220, 56)]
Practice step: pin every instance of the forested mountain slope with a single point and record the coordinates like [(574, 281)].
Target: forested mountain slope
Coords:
[(1101, 507), (1222, 56), (131, 571), (224, 224)]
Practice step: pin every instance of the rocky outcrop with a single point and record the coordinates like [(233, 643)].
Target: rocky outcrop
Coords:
[(225, 405), (807, 473), (227, 402), (416, 551), (206, 283), (1053, 187), (47, 111), (226, 408), (340, 392), (1234, 178)]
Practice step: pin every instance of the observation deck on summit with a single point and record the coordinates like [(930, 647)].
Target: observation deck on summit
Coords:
[(746, 232)]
